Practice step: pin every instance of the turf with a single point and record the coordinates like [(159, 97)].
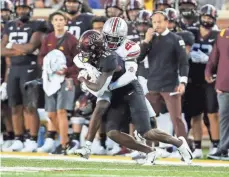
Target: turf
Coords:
[(97, 169)]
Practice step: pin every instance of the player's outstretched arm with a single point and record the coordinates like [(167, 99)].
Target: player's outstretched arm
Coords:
[(30, 47)]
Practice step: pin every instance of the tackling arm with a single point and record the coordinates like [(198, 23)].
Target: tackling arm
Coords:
[(130, 75)]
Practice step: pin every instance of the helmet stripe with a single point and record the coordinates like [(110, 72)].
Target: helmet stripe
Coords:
[(115, 24)]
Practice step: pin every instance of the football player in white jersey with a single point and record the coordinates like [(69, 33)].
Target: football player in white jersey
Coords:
[(115, 33)]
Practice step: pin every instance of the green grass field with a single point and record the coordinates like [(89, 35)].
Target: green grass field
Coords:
[(53, 168)]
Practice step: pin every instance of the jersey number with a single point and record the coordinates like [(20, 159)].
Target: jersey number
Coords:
[(75, 30), (206, 48), (18, 37), (129, 45)]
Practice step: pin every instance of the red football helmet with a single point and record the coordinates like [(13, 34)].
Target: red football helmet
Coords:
[(91, 45)]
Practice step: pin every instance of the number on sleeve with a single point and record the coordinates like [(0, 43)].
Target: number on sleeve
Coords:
[(129, 45)]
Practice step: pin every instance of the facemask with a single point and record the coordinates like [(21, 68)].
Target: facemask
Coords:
[(207, 25)]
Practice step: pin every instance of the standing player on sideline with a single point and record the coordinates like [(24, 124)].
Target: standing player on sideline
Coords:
[(201, 96), (8, 135), (78, 22), (188, 11), (113, 8), (173, 17), (20, 40), (132, 9), (161, 5)]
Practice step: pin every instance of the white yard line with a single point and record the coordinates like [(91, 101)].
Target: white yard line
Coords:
[(93, 175), (51, 169), (78, 159)]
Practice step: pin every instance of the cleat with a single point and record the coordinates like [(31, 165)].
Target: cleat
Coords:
[(185, 151)]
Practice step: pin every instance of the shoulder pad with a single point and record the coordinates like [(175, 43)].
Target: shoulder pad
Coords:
[(187, 36), (128, 49)]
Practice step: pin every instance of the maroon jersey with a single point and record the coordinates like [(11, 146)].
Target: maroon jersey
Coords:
[(218, 61), (68, 47)]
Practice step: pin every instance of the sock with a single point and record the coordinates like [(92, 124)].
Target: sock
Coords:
[(197, 144), (76, 136), (215, 143), (103, 139), (51, 134), (33, 138), (65, 146), (10, 135), (19, 137), (27, 134), (153, 122)]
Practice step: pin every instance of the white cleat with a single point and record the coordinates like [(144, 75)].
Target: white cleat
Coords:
[(185, 151), (135, 155), (175, 155), (150, 158), (17, 146), (30, 146), (100, 150), (7, 143), (48, 146), (115, 150), (212, 151), (162, 153), (198, 154), (84, 152), (74, 145)]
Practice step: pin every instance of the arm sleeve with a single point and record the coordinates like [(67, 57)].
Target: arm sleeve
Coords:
[(133, 52), (130, 75), (145, 47), (182, 59), (110, 64), (211, 66)]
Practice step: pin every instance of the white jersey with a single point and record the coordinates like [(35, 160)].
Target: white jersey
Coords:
[(129, 50)]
